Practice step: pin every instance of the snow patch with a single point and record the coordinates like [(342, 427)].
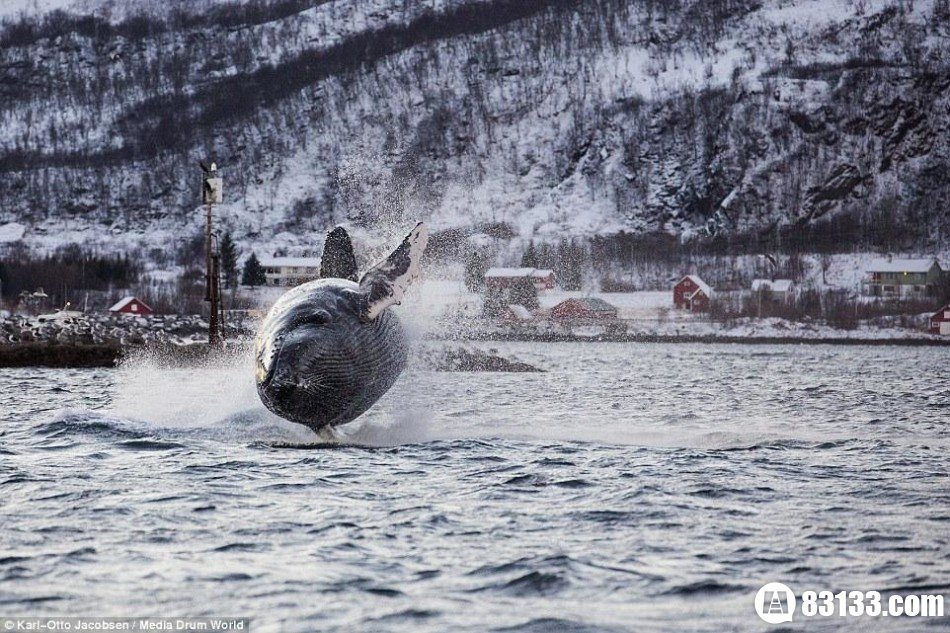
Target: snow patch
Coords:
[(12, 232)]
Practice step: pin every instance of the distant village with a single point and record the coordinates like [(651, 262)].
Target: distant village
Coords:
[(529, 297), (525, 300), (110, 298)]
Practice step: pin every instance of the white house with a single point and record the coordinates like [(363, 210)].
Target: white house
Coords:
[(502, 278), (290, 271), (778, 289), (902, 278)]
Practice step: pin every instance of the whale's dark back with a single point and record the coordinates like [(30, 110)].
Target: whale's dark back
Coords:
[(319, 364)]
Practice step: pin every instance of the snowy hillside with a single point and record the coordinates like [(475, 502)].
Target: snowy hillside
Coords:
[(552, 117)]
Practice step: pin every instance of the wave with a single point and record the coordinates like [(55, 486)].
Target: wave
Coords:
[(704, 587), (134, 434), (533, 583), (562, 625)]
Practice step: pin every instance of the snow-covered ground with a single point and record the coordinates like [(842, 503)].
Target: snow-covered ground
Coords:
[(15, 8), (776, 328), (438, 298), (12, 232), (647, 305)]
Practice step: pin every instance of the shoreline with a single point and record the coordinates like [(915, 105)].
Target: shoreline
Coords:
[(89, 356), (86, 356), (710, 339)]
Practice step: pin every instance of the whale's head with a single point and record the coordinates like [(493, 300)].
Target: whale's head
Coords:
[(319, 360), (330, 348)]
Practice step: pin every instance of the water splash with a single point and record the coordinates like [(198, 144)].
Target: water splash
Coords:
[(216, 398), (379, 428), (212, 397), (149, 387)]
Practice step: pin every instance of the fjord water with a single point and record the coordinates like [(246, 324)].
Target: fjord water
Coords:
[(630, 487)]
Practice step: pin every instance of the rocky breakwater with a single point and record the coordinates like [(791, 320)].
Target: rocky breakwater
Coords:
[(463, 359), (75, 339)]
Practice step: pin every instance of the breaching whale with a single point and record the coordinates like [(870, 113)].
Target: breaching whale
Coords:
[(330, 348)]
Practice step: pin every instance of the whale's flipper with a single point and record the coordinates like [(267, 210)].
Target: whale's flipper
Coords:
[(338, 261), (385, 283)]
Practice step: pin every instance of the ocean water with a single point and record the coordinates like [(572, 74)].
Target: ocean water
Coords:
[(631, 487)]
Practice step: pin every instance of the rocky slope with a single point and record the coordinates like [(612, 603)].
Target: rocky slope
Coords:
[(553, 117)]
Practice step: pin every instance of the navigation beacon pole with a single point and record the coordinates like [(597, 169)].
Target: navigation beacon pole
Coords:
[(211, 193)]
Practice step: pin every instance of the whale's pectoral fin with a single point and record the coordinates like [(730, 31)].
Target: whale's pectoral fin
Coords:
[(338, 261), (386, 282)]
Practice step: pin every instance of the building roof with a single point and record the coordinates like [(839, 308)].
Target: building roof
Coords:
[(894, 265), (702, 285), (943, 314), (594, 304), (519, 311), (59, 315), (518, 272), (775, 285), (126, 301), (290, 262)]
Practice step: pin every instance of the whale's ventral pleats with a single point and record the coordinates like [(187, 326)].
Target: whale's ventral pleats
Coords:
[(328, 349)]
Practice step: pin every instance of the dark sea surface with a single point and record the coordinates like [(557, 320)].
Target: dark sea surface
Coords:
[(632, 487)]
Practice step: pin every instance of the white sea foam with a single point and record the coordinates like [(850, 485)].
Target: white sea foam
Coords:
[(147, 388)]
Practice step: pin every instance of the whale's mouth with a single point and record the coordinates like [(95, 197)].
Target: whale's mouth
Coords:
[(280, 395), (268, 357), (288, 388), (302, 402), (277, 387)]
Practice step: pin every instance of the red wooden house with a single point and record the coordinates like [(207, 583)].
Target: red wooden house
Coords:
[(131, 305), (584, 308), (940, 321), (692, 293)]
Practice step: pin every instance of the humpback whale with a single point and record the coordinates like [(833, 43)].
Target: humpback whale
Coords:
[(329, 349)]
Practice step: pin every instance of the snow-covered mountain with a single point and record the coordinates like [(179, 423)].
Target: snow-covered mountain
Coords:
[(536, 118)]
